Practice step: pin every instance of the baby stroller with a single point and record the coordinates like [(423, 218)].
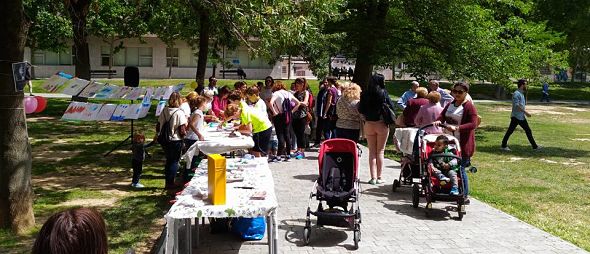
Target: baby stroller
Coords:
[(409, 161), (337, 189), (430, 186)]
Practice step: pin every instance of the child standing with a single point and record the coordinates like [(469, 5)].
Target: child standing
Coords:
[(274, 146), (138, 149), (445, 168)]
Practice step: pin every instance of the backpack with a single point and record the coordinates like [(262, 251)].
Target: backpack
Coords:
[(387, 112), (165, 129), (287, 109)]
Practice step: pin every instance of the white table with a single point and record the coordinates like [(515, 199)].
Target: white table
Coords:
[(193, 203), (217, 142)]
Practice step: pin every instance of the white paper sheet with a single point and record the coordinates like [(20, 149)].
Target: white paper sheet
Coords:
[(160, 107), (91, 89), (106, 91), (75, 86), (106, 112), (132, 112), (53, 83), (118, 114), (74, 111)]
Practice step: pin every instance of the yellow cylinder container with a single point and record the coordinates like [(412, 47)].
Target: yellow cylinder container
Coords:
[(216, 174)]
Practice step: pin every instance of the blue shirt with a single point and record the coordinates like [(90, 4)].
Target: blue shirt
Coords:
[(445, 98), (518, 102), (403, 101)]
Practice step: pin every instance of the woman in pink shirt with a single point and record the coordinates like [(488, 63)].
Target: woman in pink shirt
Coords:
[(220, 102), (429, 112)]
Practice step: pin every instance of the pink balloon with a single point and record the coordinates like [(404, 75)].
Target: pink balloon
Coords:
[(41, 104), (30, 104)]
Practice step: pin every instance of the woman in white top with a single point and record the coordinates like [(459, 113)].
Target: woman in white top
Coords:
[(196, 126), (280, 119), (177, 120)]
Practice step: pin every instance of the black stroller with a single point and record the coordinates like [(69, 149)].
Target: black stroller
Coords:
[(337, 188)]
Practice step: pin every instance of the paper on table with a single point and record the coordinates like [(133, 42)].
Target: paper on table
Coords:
[(106, 112), (118, 114), (53, 83), (91, 89), (75, 86), (106, 91)]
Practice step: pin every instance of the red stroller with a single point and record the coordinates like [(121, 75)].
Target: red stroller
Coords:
[(337, 188)]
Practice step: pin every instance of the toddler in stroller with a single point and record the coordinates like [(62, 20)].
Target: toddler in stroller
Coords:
[(445, 168)]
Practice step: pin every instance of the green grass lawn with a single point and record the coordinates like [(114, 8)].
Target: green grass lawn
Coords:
[(549, 189)]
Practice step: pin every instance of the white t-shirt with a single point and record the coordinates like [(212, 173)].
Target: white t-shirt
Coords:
[(199, 125), (453, 116), (266, 93), (260, 106), (280, 96), (186, 109), (178, 118)]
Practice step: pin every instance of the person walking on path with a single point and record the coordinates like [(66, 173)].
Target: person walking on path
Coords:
[(410, 94), (348, 125), (545, 92), (375, 129), (518, 117)]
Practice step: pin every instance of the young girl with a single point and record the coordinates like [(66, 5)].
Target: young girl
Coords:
[(138, 149), (251, 122), (196, 126)]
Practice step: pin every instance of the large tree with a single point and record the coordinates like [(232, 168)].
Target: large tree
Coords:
[(16, 194), (78, 12)]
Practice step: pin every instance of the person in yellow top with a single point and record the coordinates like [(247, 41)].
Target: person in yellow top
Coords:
[(254, 123)]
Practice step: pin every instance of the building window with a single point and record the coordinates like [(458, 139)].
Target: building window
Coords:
[(41, 57), (129, 56), (105, 56), (172, 57)]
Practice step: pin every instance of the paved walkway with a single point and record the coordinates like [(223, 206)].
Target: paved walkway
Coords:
[(390, 223)]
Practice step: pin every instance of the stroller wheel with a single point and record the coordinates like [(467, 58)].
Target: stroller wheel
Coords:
[(395, 184), (415, 195), (357, 236), (358, 215), (306, 234), (460, 207), (473, 170)]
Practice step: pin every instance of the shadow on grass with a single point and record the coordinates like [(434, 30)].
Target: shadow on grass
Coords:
[(311, 177), (526, 151)]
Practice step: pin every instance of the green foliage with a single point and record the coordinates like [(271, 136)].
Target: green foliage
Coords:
[(115, 19), (50, 27)]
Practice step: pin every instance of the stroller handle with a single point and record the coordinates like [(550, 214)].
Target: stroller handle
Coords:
[(430, 125), (434, 156)]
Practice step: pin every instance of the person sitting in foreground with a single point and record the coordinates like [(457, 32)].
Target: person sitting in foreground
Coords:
[(74, 231), (445, 168)]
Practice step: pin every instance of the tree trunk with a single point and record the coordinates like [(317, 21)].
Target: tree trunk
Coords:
[(289, 68), (77, 11), (16, 192), (204, 34), (376, 13), (171, 61), (111, 55)]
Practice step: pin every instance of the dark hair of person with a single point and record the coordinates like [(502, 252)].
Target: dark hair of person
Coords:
[(252, 90), (443, 138), (374, 91), (238, 85), (272, 81), (223, 91), (235, 96), (74, 231), (463, 84), (521, 82), (211, 79), (331, 80)]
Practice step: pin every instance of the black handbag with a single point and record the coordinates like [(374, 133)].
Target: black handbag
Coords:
[(387, 112)]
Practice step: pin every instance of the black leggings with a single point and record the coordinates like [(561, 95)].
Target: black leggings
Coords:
[(525, 126), (299, 128), (283, 134)]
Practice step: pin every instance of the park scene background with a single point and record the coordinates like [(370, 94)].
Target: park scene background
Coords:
[(487, 43)]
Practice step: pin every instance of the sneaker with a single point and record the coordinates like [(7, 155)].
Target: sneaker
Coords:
[(539, 148), (379, 180), (137, 185), (507, 149), (299, 155), (373, 181), (445, 179), (287, 158), (454, 191), (466, 201)]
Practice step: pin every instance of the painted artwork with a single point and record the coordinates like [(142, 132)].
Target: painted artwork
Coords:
[(75, 86), (120, 94), (91, 89), (118, 115), (135, 93), (91, 111), (106, 91), (74, 111), (106, 112), (145, 109), (159, 93), (160, 107), (53, 83), (132, 111), (169, 90), (149, 93)]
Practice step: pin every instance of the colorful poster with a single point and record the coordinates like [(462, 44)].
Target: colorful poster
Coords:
[(75, 86), (135, 93), (159, 93), (119, 111), (147, 98), (123, 90), (53, 83), (106, 91), (169, 90), (132, 111), (160, 107), (178, 88), (74, 111), (91, 89), (145, 109), (91, 111), (106, 112)]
